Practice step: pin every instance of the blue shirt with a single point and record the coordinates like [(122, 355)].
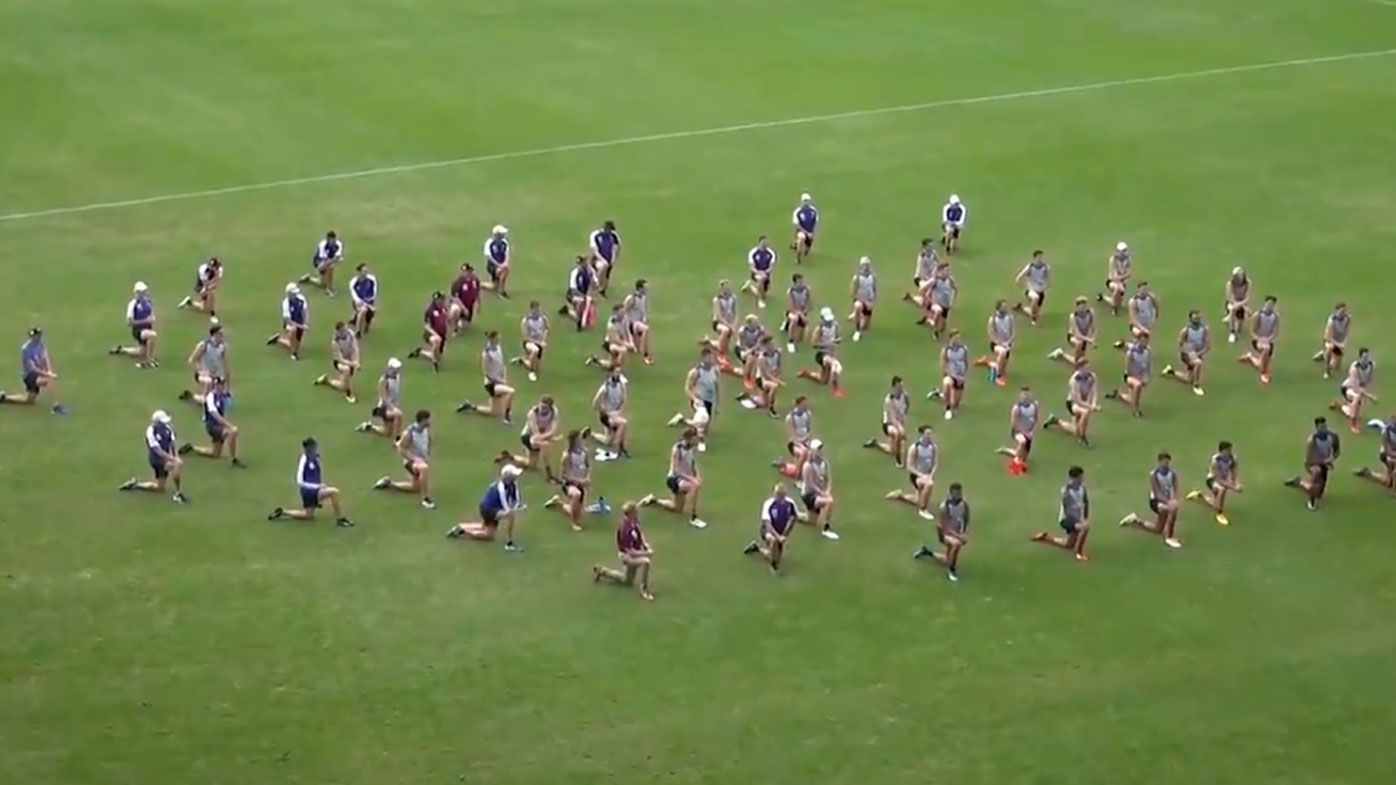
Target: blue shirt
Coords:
[(293, 310), (806, 217), (141, 310), (328, 249), (365, 289), (31, 356), (954, 213), (497, 250), (605, 243), (502, 497), (159, 436), (580, 280), (761, 258), (779, 514), (215, 403), (308, 471)]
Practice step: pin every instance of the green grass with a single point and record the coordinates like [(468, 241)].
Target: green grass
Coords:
[(146, 643)]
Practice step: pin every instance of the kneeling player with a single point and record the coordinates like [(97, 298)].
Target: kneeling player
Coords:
[(164, 463), (314, 492), (1074, 516), (295, 320), (610, 403), (1194, 342), (805, 219), (1386, 457), (1223, 478), (778, 516), (414, 448), (1335, 339), (575, 480), (1321, 451), (495, 373), (1356, 389), (798, 301), (140, 319), (895, 406), (465, 299), (825, 342), (954, 369), (862, 289), (389, 407), (683, 480), (1163, 501), (363, 294), (501, 504), (724, 321), (1022, 428), (1002, 332), (1139, 364), (817, 491), (952, 529), (618, 343), (1082, 401), (344, 348), (535, 329), (1265, 330), (761, 260), (206, 280), (542, 425), (635, 552), (1080, 334), (221, 430), (1036, 279), (435, 328), (922, 462)]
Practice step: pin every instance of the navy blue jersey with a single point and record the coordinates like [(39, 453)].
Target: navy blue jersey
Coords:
[(293, 309), (780, 514), (497, 250), (761, 259), (365, 289), (580, 280), (604, 243), (159, 441), (308, 472), (806, 217), (502, 497), (140, 310), (215, 406)]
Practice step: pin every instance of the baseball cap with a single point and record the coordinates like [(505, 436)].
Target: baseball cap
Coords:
[(511, 471), (161, 417)]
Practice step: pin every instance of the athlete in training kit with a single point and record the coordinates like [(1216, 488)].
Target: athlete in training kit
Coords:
[(778, 517), (1238, 299), (313, 490), (896, 405), (1023, 418), (1036, 279), (954, 374), (1118, 269), (761, 263), (1336, 330), (862, 289), (327, 255), (805, 219), (1194, 343), (952, 223), (1165, 500), (140, 320), (1321, 451), (952, 530), (1073, 516), (1223, 478), (799, 302), (1265, 332), (1355, 389), (498, 256)]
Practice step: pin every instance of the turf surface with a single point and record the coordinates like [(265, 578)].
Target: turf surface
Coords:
[(148, 643)]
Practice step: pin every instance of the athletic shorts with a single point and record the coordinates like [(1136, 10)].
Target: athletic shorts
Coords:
[(605, 420), (1042, 296), (708, 406), (527, 441), (1154, 505), (490, 388), (136, 331), (407, 465), (1069, 525), (994, 347), (159, 468), (819, 358), (1238, 311), (310, 498), (1388, 459), (540, 346), (216, 432), (1337, 352), (489, 516), (809, 500), (31, 382), (672, 482), (1027, 443), (867, 308), (1256, 346), (957, 384)]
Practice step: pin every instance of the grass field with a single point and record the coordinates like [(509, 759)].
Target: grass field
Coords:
[(147, 643)]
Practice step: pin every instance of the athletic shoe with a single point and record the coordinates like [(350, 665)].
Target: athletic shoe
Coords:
[(551, 502), (1129, 520), (344, 523), (751, 547), (921, 552), (698, 523), (276, 514), (1194, 496), (532, 376), (949, 414), (1056, 354), (179, 498), (466, 406), (926, 515), (1172, 542), (1198, 391), (676, 419), (790, 348), (1223, 520), (428, 504), (953, 576), (829, 534), (129, 485), (647, 500), (382, 483)]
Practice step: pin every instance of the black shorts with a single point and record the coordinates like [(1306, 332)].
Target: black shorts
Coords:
[(490, 387), (1041, 296), (567, 486), (912, 476), (1256, 346), (708, 406), (866, 307), (1068, 525), (1343, 392), (216, 433), (527, 441), (159, 468), (1337, 352), (672, 483), (796, 318), (953, 231), (525, 344), (136, 330), (819, 358), (1027, 443), (31, 382), (296, 331), (1210, 483), (810, 500), (805, 238), (717, 324), (492, 268), (407, 466), (1320, 476), (887, 429), (310, 498), (343, 367), (957, 384), (605, 420), (1186, 360), (1388, 459), (1154, 505), (1070, 410), (766, 273), (1238, 312), (994, 347), (489, 516)]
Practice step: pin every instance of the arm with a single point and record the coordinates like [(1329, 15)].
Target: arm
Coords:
[(1022, 274)]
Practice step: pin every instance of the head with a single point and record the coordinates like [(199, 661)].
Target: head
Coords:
[(499, 231), (215, 263), (763, 241), (467, 270), (438, 298), (797, 280), (826, 315), (331, 236), (1082, 304), (1000, 307), (898, 385), (1238, 273), (1142, 290), (724, 286), (1122, 247), (340, 328), (1083, 366), (1076, 474), (1037, 255), (609, 226), (689, 436), (956, 491), (778, 491), (802, 403), (581, 261), (309, 446), (1024, 394), (534, 307), (160, 417), (1224, 447), (1364, 354), (510, 473), (751, 320), (292, 290), (35, 334), (616, 376), (705, 358), (1142, 342), (1164, 459), (422, 418), (574, 441), (925, 435), (215, 333), (361, 269), (1320, 424), (641, 286), (954, 199), (953, 337), (806, 198), (1340, 309), (220, 384), (865, 265), (394, 366), (630, 510), (816, 447), (547, 402), (1195, 318), (1269, 305), (492, 338), (140, 289)]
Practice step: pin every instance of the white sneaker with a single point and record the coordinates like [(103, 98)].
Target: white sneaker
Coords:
[(551, 502), (1129, 519), (857, 336), (1056, 354), (829, 534), (676, 419), (747, 403), (926, 514), (702, 446), (601, 455), (532, 376), (949, 414), (1231, 338), (761, 305), (428, 504), (647, 500), (790, 348), (1173, 542), (698, 523), (1198, 391)]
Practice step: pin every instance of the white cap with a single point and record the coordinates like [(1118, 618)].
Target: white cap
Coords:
[(864, 260), (954, 198), (805, 197), (394, 363), (161, 417), (510, 471), (500, 229), (827, 314), (1122, 246), (292, 288), (139, 287), (816, 444), (1237, 271), (213, 321)]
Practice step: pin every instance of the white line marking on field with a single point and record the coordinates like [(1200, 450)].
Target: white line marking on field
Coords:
[(1389, 3), (694, 133)]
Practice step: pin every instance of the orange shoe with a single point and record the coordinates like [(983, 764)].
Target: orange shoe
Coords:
[(1001, 381), (838, 392)]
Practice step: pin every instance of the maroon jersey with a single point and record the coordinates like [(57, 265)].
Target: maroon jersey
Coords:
[(628, 536), (435, 318), (466, 289)]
